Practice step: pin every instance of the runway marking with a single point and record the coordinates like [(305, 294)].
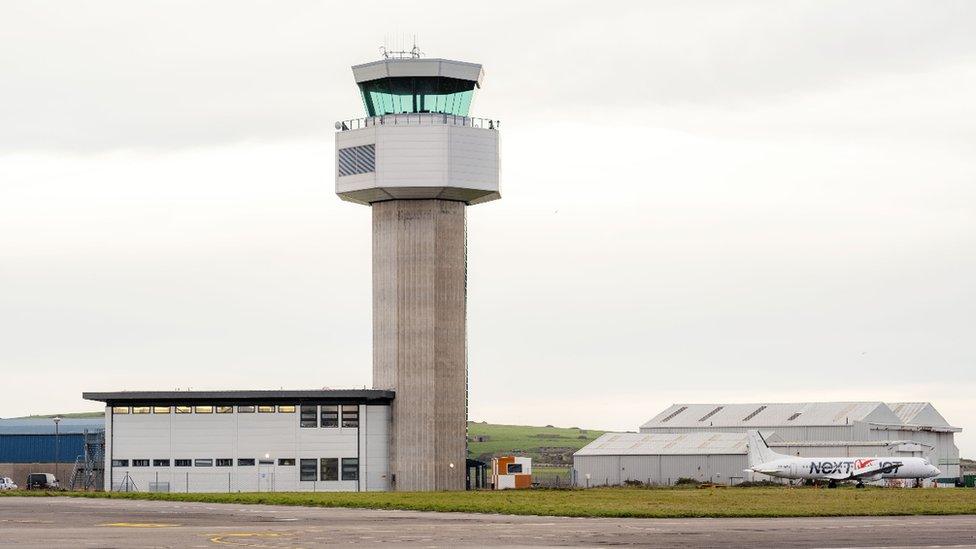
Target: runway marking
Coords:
[(139, 525), (232, 539)]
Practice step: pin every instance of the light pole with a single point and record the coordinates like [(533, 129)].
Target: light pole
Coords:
[(57, 448)]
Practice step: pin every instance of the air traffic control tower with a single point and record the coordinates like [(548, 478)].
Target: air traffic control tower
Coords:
[(418, 160)]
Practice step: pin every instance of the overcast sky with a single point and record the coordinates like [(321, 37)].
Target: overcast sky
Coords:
[(703, 201)]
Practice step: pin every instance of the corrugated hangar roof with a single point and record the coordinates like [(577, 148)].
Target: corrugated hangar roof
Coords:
[(918, 413), (45, 426), (699, 443), (622, 444), (771, 414)]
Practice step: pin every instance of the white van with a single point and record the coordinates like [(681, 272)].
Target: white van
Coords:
[(6, 483), (41, 481)]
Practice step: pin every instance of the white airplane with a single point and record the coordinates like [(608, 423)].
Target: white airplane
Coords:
[(763, 460)]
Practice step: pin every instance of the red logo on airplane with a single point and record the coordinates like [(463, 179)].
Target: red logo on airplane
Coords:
[(862, 463)]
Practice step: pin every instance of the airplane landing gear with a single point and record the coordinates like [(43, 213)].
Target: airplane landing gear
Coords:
[(832, 484), (859, 484)]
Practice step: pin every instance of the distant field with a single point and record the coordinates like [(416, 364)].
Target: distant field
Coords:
[(68, 415), (528, 441), (618, 502)]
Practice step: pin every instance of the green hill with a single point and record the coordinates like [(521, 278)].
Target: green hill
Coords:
[(68, 415), (553, 446), (547, 446)]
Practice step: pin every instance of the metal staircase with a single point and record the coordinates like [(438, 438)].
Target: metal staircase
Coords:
[(88, 471)]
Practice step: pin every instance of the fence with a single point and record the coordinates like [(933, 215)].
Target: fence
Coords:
[(552, 477), (418, 119), (224, 482)]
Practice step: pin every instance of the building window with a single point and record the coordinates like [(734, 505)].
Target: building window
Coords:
[(203, 463), (160, 409), (224, 462), (140, 409), (286, 461), (184, 409), (120, 410), (245, 462), (330, 469), (245, 409), (330, 415), (225, 409), (160, 463), (350, 415), (120, 463), (266, 409), (350, 468), (265, 462), (289, 409), (182, 462), (203, 409), (309, 417), (514, 468), (140, 463), (308, 469)]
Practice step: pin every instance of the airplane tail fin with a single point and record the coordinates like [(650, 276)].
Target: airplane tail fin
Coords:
[(759, 451)]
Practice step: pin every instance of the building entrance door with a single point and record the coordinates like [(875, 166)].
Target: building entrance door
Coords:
[(266, 476)]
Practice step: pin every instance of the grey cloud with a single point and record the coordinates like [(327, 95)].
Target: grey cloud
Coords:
[(104, 75)]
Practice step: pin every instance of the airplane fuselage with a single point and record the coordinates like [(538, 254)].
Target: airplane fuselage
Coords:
[(848, 468)]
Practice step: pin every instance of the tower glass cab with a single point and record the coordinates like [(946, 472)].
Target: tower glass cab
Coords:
[(417, 140), (415, 94)]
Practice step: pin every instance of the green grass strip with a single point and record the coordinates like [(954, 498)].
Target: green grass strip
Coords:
[(611, 502)]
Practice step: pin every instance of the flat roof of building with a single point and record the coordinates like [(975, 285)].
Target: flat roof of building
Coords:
[(273, 397)]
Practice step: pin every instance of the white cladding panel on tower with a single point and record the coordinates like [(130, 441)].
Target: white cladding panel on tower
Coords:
[(419, 67), (418, 157)]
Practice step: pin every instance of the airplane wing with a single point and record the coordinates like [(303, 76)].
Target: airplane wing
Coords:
[(767, 471)]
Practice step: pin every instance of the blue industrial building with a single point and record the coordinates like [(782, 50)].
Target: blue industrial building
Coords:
[(33, 440)]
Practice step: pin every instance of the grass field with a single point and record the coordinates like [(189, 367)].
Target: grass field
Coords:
[(526, 441), (68, 415), (617, 502)]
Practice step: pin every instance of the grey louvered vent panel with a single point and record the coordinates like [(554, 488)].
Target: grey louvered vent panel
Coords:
[(712, 413), (673, 414), (355, 160), (754, 414)]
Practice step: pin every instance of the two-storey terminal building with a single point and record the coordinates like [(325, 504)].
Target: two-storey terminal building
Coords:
[(247, 441)]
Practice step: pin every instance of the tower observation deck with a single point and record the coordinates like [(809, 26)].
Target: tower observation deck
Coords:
[(418, 160)]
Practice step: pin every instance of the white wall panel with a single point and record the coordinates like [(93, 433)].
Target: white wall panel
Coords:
[(257, 436)]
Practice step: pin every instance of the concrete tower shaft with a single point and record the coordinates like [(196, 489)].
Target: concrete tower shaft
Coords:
[(419, 343), (419, 160)]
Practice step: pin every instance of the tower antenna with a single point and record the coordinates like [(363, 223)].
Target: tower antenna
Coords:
[(413, 53)]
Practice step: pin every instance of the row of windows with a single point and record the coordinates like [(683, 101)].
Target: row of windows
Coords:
[(326, 415), (309, 469), (261, 409), (328, 469)]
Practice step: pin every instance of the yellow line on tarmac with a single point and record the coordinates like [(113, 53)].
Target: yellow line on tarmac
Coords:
[(222, 538), (139, 525)]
